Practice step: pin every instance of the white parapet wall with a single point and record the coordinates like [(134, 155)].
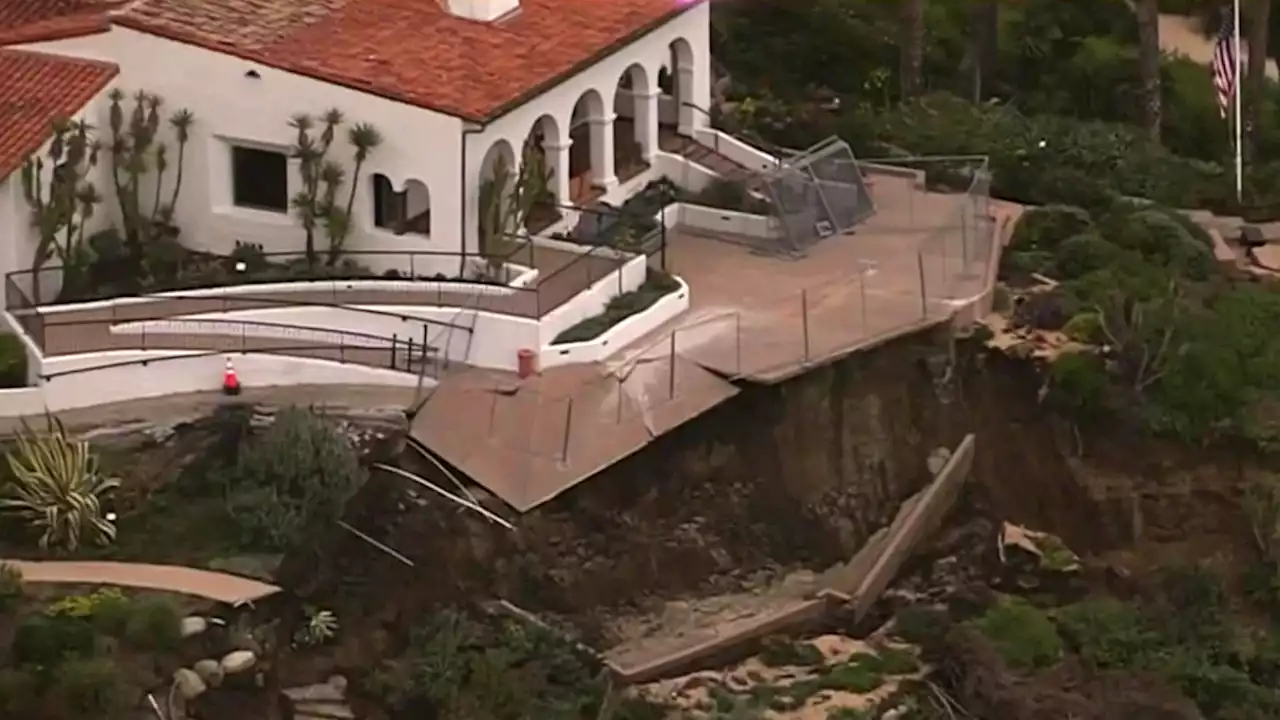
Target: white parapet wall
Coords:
[(477, 338), (79, 381), (666, 309), (593, 300), (748, 156), (715, 220), (685, 173)]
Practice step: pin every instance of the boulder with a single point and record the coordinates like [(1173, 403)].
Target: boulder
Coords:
[(189, 683), (210, 671), (193, 625), (238, 661)]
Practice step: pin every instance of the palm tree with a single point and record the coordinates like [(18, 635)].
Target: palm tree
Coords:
[(1149, 64), (57, 488), (912, 59)]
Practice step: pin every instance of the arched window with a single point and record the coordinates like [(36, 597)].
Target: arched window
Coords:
[(406, 211)]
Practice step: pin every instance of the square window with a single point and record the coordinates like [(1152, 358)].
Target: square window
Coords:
[(259, 179)]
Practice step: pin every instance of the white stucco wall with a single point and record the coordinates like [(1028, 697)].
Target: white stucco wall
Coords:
[(13, 230), (231, 107), (419, 144), (651, 52), (20, 238)]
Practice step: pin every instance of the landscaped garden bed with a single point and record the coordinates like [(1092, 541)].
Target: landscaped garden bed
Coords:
[(13, 362), (112, 274), (656, 286), (73, 652)]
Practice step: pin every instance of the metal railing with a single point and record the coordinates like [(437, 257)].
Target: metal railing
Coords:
[(561, 275), (395, 356)]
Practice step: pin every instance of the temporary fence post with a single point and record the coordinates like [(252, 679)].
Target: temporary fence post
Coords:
[(737, 343), (493, 412), (862, 297), (412, 267), (924, 295), (618, 390), (568, 425), (342, 349), (395, 345), (671, 366), (804, 320), (417, 389)]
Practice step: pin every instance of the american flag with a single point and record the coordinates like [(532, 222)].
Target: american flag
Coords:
[(1224, 61)]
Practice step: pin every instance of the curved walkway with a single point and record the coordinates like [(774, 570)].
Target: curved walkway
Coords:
[(218, 586)]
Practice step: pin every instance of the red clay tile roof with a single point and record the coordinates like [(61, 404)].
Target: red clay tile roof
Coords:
[(35, 90), (413, 51), (28, 21)]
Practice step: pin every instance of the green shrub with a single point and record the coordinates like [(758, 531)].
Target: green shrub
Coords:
[(293, 481), (11, 589), (657, 285), (153, 624), (1082, 254), (94, 686), (13, 362), (1085, 327), (1044, 228), (897, 661), (861, 674), (921, 624), (1024, 636), (1164, 241), (1108, 633), (19, 693), (1078, 384), (781, 651), (45, 640)]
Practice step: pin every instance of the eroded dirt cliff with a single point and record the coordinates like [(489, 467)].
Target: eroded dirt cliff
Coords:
[(779, 479)]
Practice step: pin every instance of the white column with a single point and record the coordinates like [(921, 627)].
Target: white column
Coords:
[(603, 174), (645, 114), (558, 163), (685, 97)]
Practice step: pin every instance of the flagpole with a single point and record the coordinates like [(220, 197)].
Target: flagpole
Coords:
[(1239, 128)]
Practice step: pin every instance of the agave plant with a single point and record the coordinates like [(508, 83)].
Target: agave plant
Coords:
[(58, 488), (322, 626)]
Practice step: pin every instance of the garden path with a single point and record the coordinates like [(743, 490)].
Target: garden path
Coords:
[(208, 584)]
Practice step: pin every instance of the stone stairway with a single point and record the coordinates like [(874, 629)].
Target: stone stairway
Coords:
[(686, 147)]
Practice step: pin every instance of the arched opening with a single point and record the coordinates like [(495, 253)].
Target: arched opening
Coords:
[(676, 108), (590, 149), (635, 124), (548, 151), (496, 170), (405, 211)]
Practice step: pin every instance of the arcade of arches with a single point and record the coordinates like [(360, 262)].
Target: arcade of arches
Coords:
[(598, 146)]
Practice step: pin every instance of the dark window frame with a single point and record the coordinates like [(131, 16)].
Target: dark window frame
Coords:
[(259, 179)]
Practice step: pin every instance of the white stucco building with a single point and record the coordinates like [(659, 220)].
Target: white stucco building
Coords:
[(450, 85)]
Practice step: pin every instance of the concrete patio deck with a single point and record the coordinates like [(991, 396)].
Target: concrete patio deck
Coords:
[(753, 317)]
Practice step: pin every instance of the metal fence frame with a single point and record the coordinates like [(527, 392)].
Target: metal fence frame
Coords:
[(817, 192)]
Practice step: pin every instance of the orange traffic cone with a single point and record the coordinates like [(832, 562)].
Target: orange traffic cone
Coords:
[(230, 382)]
